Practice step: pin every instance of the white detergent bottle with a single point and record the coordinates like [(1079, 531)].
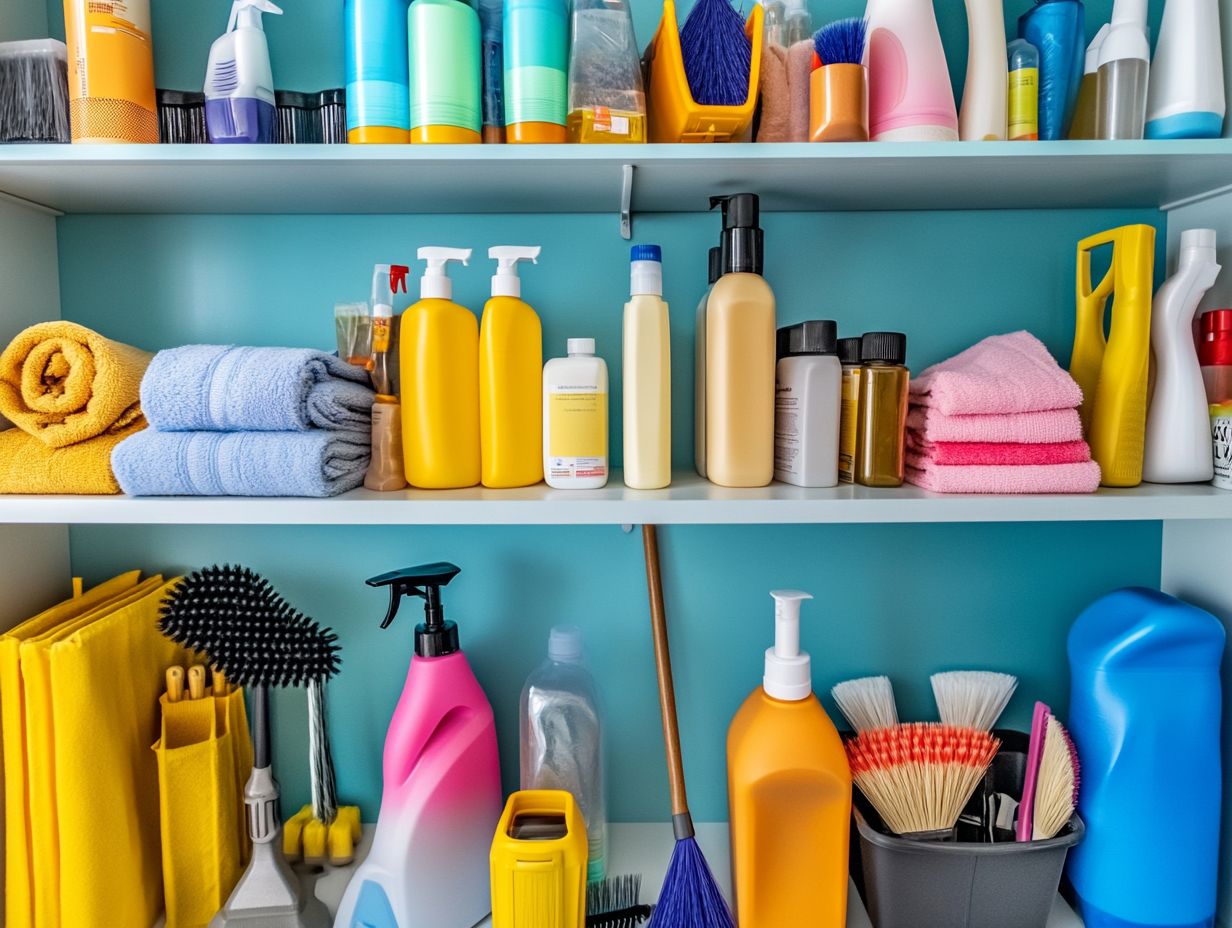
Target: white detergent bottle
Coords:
[(239, 82), (1186, 96), (1178, 431)]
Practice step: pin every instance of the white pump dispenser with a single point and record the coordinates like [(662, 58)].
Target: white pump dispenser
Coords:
[(435, 284), (506, 282), (789, 672)]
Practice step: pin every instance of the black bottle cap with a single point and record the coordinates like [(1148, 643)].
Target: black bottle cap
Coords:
[(740, 210), (716, 263), (849, 350), (887, 347), (742, 242), (435, 636), (782, 342), (817, 336)]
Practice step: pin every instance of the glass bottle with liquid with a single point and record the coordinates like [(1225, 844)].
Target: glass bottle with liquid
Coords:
[(607, 100), (883, 409), (849, 416)]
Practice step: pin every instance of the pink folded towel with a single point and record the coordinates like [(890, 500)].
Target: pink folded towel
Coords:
[(960, 453), (1032, 428), (1002, 374), (1015, 479)]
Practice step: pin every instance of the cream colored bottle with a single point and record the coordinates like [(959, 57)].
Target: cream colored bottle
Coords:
[(740, 359), (647, 375)]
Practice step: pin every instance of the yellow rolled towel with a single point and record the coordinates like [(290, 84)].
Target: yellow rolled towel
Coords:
[(29, 466), (63, 384)]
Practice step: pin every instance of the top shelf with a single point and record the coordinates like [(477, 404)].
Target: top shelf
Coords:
[(584, 179)]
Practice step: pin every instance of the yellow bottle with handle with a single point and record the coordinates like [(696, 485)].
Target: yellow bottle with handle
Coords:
[(439, 360), (538, 862)]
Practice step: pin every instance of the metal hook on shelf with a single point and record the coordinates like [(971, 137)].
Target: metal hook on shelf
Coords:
[(626, 202)]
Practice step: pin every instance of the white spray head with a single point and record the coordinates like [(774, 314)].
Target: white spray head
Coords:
[(506, 282), (1127, 37), (789, 672), (435, 284), (246, 14), (1091, 62)]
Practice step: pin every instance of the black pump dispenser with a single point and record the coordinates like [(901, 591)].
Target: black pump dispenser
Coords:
[(435, 636), (742, 242)]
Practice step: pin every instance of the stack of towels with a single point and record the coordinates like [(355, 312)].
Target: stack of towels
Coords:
[(72, 396), (1001, 417), (228, 421)]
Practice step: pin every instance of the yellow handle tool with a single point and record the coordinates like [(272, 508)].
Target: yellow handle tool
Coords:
[(196, 682), (175, 684)]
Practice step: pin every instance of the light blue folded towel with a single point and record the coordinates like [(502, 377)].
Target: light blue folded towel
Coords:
[(314, 463), (220, 388)]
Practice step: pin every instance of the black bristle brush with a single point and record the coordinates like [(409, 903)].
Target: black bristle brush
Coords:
[(616, 902), (248, 631)]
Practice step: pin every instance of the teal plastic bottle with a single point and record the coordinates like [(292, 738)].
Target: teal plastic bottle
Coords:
[(536, 70), (445, 73), (1145, 707)]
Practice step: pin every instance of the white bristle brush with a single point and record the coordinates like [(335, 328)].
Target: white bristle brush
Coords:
[(973, 698), (866, 703)]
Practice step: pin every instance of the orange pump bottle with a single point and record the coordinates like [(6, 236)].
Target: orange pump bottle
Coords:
[(789, 792)]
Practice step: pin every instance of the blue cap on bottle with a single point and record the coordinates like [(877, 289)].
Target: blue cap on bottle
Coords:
[(646, 253)]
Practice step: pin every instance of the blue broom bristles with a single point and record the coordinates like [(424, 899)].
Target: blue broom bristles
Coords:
[(690, 898), (718, 56), (841, 42)]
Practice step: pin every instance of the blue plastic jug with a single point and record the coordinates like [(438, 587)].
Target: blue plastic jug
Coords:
[(1058, 29), (1145, 716)]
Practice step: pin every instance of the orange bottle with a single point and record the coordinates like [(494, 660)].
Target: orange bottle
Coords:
[(789, 792)]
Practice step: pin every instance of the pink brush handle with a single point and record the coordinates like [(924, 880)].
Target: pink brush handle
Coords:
[(1035, 753)]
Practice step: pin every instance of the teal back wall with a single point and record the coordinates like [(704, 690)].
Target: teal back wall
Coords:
[(306, 42)]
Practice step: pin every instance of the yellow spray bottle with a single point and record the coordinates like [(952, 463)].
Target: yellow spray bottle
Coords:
[(1113, 371)]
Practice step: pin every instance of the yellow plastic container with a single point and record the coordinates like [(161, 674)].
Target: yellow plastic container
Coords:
[(439, 360), (1113, 371), (539, 862), (111, 71), (674, 115)]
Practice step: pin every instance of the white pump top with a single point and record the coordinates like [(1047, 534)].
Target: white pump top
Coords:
[(789, 672), (435, 284), (506, 282), (246, 14), (1126, 36)]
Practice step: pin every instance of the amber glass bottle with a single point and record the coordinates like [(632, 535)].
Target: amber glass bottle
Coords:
[(883, 409)]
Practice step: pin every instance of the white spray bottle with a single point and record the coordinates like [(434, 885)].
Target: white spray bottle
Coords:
[(239, 82), (1121, 82), (1178, 431), (1186, 97)]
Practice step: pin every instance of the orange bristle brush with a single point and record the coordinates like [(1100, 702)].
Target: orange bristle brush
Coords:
[(920, 776)]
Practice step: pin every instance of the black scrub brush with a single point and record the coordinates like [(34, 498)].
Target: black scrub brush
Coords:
[(254, 636)]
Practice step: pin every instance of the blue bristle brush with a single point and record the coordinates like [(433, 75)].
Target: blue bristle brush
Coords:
[(718, 56), (841, 42)]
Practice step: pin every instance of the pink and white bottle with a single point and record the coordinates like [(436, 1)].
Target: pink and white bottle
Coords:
[(910, 95), (428, 867)]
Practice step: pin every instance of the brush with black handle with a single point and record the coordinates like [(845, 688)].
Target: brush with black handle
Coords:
[(250, 633)]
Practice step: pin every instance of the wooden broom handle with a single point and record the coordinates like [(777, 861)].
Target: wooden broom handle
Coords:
[(663, 664)]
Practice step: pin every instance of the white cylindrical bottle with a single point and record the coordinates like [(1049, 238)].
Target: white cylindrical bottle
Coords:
[(647, 375), (575, 419), (808, 406), (1124, 66), (1186, 96), (1178, 432), (983, 114)]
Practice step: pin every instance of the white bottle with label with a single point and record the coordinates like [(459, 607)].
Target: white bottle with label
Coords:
[(647, 375), (807, 406), (575, 419)]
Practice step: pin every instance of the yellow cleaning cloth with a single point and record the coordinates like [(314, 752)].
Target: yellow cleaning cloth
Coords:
[(18, 878), (64, 384), (29, 466)]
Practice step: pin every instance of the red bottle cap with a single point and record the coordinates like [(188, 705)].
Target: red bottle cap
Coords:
[(1215, 347), (397, 278)]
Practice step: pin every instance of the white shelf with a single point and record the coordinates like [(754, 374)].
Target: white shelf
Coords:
[(689, 501), (586, 178)]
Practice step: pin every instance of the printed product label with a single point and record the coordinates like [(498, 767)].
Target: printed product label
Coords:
[(1221, 432), (847, 425), (1024, 104), (577, 445), (381, 329), (786, 431), (121, 14)]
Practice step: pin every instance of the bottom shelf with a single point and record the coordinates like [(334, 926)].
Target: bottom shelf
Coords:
[(646, 848)]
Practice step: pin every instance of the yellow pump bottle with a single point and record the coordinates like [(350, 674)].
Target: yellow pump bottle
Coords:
[(510, 377), (789, 792), (439, 360), (1113, 372)]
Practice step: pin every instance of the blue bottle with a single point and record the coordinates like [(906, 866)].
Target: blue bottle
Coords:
[(1145, 716), (536, 70), (377, 76), (1058, 29)]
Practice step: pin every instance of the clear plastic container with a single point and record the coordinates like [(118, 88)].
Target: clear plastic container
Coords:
[(607, 102), (562, 737)]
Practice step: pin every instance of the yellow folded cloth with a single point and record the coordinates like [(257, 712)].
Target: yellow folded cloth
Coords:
[(29, 466), (18, 878), (64, 384)]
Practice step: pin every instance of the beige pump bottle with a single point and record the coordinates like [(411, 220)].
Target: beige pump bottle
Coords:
[(740, 360)]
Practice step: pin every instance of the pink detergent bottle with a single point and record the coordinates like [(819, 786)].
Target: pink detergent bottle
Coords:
[(910, 95), (428, 867)]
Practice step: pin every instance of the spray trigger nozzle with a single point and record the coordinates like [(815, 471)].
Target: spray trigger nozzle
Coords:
[(397, 278), (506, 281), (425, 581), (253, 9)]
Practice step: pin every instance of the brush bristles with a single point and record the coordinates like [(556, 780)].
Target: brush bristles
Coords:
[(616, 902), (34, 105), (973, 698), (690, 897), (1056, 790), (867, 703), (920, 776), (234, 617), (841, 42), (718, 55)]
